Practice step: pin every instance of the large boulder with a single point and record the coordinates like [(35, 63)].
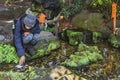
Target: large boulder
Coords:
[(61, 73), (88, 21)]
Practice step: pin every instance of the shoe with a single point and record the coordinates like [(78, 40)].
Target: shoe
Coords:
[(30, 50)]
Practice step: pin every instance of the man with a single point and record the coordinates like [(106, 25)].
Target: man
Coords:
[(26, 35)]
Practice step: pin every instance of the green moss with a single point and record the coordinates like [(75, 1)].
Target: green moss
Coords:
[(83, 60), (29, 74), (70, 63), (114, 41), (51, 29), (39, 53), (82, 47), (74, 58), (52, 45), (75, 37), (62, 36), (92, 57), (96, 36), (99, 56), (84, 55)]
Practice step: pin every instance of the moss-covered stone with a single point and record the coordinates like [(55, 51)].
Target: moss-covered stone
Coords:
[(96, 36), (82, 47), (74, 37), (87, 21), (114, 40), (52, 45), (84, 55)]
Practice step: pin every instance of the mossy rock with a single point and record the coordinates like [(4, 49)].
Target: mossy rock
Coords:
[(83, 56), (73, 37), (87, 21), (82, 47), (97, 36), (114, 40), (52, 45)]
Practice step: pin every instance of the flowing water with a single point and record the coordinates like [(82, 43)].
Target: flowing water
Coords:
[(107, 69)]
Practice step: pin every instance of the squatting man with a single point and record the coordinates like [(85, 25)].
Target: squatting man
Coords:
[(26, 35)]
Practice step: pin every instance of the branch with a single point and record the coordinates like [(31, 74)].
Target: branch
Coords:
[(57, 18)]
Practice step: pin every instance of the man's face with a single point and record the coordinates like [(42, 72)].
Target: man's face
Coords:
[(27, 27)]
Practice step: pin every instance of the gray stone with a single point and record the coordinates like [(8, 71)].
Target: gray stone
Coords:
[(2, 37), (12, 11), (5, 13), (44, 35)]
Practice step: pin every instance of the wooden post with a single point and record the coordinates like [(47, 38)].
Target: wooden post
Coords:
[(114, 24), (114, 15)]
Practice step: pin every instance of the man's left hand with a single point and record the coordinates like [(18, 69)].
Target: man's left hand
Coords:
[(26, 33)]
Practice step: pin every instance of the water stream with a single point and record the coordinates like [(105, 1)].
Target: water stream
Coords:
[(108, 69)]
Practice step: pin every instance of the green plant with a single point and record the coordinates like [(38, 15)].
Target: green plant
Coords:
[(103, 6), (8, 53), (73, 9), (29, 74)]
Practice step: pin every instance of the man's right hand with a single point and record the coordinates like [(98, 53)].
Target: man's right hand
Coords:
[(22, 60)]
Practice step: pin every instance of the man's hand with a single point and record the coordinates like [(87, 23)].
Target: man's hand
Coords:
[(26, 33), (22, 60), (61, 17)]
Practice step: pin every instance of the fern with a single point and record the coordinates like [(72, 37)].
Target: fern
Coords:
[(8, 53)]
